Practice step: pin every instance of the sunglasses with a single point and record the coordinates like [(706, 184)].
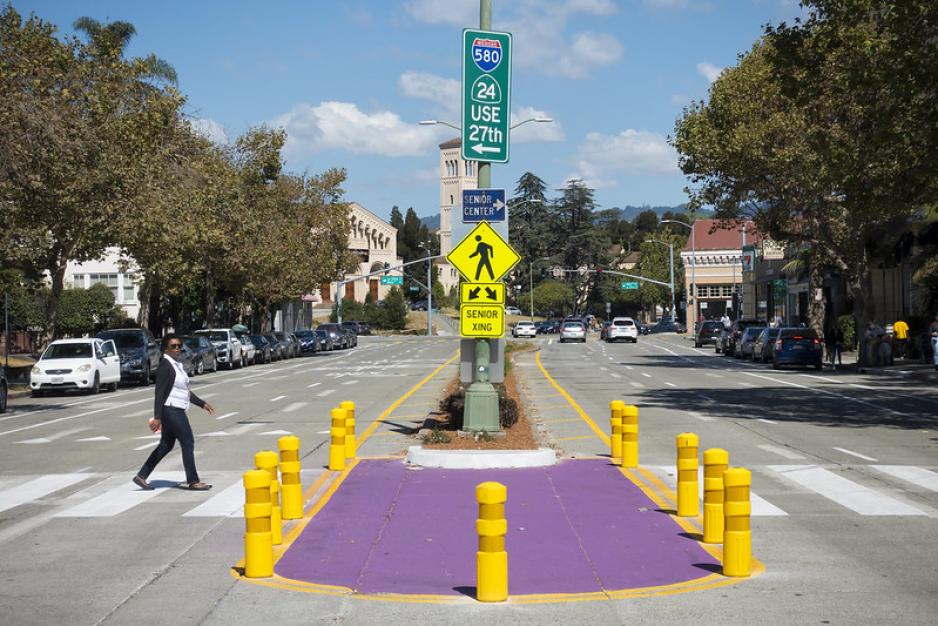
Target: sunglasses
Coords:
[(174, 346)]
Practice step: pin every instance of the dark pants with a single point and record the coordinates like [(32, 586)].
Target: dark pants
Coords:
[(175, 425)]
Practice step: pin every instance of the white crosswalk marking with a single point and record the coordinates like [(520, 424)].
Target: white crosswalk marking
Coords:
[(123, 497), (918, 476), (844, 492), (227, 503), (37, 488), (760, 506)]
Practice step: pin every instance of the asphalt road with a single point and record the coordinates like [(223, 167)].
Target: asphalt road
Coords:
[(845, 477)]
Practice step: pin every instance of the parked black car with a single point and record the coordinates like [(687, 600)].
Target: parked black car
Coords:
[(138, 351), (667, 326), (339, 340), (4, 387), (731, 340), (797, 346), (262, 351), (277, 348), (309, 343), (708, 332), (325, 341), (291, 347), (203, 352)]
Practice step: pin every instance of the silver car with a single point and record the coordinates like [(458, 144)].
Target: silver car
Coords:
[(572, 331), (524, 329)]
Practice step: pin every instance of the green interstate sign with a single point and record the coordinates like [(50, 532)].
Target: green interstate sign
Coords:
[(630, 284), (392, 280), (486, 95)]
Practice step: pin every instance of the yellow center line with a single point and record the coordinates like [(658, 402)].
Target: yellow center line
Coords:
[(576, 407)]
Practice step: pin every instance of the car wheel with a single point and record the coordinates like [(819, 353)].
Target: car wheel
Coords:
[(200, 368), (819, 366), (35, 393), (775, 365), (96, 385), (696, 344), (145, 380), (3, 397)]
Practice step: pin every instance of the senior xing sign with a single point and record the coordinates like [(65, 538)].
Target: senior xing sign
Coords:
[(482, 320), (483, 256)]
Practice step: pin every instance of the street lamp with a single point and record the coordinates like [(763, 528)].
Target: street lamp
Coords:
[(693, 266), (426, 246), (670, 263)]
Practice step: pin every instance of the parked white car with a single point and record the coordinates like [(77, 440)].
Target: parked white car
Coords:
[(227, 345), (622, 328), (512, 310), (248, 351), (524, 329), (88, 364)]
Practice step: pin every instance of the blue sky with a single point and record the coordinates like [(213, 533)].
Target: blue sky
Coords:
[(349, 80)]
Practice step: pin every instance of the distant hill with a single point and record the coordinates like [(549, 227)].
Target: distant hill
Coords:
[(432, 222), (630, 212)]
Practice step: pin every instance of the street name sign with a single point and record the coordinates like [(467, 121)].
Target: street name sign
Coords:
[(486, 95), (630, 284), (482, 293), (481, 320), (392, 280), (483, 205), (483, 256)]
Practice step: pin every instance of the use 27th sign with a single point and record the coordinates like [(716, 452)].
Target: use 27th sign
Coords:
[(486, 90)]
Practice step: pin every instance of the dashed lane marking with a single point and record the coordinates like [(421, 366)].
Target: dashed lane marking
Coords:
[(856, 454)]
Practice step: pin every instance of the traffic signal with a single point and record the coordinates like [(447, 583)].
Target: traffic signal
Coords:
[(599, 270), (387, 266)]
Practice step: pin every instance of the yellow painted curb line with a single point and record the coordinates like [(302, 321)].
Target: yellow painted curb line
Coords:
[(576, 407)]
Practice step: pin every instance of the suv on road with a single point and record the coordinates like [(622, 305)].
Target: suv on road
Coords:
[(622, 328), (731, 339), (708, 332), (227, 345), (138, 350)]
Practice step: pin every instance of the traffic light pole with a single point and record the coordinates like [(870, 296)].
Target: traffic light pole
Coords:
[(381, 272), (481, 409)]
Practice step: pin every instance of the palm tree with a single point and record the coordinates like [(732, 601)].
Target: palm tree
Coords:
[(110, 40)]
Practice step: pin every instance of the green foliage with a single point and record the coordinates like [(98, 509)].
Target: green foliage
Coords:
[(27, 300), (85, 311), (390, 313), (553, 296), (848, 325), (435, 436)]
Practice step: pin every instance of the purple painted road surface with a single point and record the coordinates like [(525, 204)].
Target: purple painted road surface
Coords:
[(576, 527)]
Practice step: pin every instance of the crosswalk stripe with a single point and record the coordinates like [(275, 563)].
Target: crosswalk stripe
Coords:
[(844, 492), (37, 488), (760, 506), (227, 503), (121, 498), (918, 476)]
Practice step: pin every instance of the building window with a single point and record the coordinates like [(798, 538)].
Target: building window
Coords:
[(129, 288), (78, 281), (111, 280)]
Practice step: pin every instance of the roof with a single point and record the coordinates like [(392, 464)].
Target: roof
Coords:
[(452, 143), (713, 234)]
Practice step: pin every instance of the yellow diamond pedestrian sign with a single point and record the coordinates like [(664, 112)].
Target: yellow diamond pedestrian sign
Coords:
[(483, 256)]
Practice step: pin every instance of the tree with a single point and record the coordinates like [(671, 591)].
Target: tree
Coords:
[(85, 311), (108, 41), (77, 141), (527, 230), (553, 296)]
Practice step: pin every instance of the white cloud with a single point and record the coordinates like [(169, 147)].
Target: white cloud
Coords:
[(709, 71), (343, 126), (539, 31), (632, 152), (445, 92), (534, 131), (462, 13), (210, 129)]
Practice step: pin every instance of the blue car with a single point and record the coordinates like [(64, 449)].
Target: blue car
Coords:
[(797, 346)]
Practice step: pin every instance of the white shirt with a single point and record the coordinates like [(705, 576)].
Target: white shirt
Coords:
[(179, 394)]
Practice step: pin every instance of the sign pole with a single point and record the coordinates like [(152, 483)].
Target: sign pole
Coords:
[(481, 409)]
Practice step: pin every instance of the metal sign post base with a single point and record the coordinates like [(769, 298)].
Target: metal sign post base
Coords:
[(481, 409)]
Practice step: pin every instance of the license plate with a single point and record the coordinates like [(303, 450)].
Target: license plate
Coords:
[(57, 380), (798, 347)]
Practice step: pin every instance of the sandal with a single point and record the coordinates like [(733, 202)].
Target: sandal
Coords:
[(143, 484), (199, 487)]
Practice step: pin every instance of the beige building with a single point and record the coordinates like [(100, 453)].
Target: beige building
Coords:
[(712, 259), (456, 174)]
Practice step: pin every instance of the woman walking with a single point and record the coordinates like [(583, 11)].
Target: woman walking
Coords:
[(169, 416)]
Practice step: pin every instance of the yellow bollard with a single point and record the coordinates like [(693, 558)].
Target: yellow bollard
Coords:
[(630, 436), (688, 500), (291, 490), (737, 535), (258, 543), (615, 418), (716, 460), (491, 559), (337, 443), (267, 460), (350, 444)]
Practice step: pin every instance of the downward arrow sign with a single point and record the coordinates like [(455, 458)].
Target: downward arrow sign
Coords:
[(474, 293), (491, 293)]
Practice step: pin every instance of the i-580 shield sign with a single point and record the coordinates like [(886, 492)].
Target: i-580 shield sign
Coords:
[(486, 90)]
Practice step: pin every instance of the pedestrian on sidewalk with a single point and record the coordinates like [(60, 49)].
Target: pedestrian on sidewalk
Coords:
[(171, 401), (901, 331), (835, 346), (933, 331)]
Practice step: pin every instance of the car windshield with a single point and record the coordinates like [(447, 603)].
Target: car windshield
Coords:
[(125, 340), (798, 333), (304, 334), (193, 342), (68, 351), (752, 332), (215, 335), (573, 326)]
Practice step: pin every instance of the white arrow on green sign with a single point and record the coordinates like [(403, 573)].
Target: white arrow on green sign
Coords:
[(630, 284), (486, 89), (392, 280)]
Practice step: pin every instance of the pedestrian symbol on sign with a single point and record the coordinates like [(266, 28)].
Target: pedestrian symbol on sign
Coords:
[(483, 251)]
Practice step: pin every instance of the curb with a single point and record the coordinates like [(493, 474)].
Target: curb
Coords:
[(920, 374), (480, 459)]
